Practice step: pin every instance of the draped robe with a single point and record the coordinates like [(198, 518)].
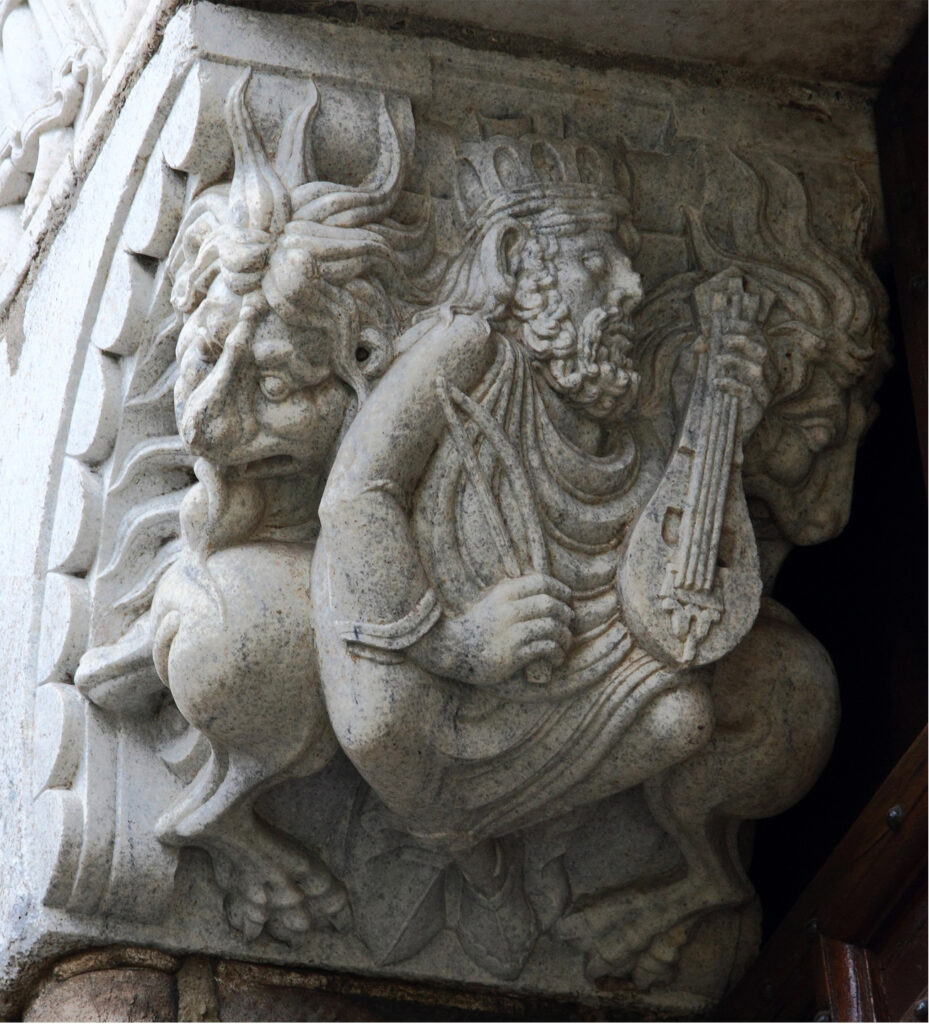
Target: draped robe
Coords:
[(461, 762)]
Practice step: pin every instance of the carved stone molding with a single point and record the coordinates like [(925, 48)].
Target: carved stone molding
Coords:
[(424, 433)]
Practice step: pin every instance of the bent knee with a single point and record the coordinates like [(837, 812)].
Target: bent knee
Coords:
[(680, 722), (779, 683), (777, 701), (242, 667)]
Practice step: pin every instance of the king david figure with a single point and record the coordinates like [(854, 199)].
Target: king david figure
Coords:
[(529, 598)]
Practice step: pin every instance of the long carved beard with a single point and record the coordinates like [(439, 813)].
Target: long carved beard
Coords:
[(592, 367)]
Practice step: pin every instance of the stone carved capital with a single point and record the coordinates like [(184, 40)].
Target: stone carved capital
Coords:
[(427, 470)]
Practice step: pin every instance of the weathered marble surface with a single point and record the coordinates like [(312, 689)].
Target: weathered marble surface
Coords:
[(66, 68), (833, 40), (403, 441)]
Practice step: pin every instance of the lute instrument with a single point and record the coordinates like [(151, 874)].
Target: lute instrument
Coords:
[(689, 581)]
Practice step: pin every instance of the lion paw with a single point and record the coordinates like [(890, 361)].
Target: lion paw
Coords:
[(627, 938)]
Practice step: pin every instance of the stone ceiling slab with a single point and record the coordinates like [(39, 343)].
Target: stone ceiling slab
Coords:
[(839, 40)]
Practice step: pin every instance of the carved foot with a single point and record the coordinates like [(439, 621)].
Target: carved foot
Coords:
[(579, 930), (651, 967), (270, 882), (658, 964), (639, 934), (287, 913), (275, 887)]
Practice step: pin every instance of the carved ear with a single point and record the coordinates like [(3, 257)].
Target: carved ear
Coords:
[(499, 258), (373, 353), (483, 278), (364, 348), (511, 243)]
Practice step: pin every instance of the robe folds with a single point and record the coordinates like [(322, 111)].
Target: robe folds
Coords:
[(461, 762)]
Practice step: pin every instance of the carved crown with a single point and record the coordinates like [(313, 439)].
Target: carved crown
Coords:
[(532, 165)]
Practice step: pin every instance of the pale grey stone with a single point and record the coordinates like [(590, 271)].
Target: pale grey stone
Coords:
[(395, 519), (835, 40)]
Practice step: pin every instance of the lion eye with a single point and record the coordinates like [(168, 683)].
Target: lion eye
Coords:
[(274, 388)]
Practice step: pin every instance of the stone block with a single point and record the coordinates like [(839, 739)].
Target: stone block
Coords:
[(397, 519)]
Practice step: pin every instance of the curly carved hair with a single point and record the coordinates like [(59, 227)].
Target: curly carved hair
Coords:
[(587, 362), (305, 243)]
